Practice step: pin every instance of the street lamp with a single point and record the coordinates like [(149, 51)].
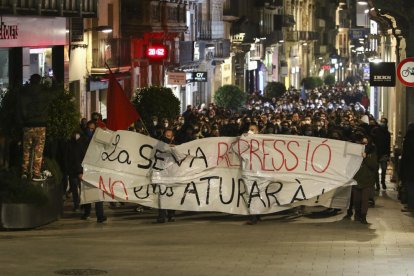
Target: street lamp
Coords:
[(362, 3)]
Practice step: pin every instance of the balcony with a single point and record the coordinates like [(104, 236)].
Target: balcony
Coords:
[(140, 17), (214, 50), (63, 8), (295, 36), (209, 30), (115, 52)]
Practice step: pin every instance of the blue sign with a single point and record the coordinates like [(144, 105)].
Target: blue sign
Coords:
[(358, 33)]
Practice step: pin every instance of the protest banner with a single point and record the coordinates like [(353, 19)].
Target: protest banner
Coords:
[(250, 174)]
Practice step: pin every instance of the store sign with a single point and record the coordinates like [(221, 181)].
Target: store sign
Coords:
[(358, 33), (382, 74), (326, 67), (8, 31), (32, 31), (252, 65), (158, 52), (238, 38), (199, 76), (176, 78)]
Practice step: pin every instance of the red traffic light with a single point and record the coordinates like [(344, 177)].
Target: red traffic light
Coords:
[(156, 52)]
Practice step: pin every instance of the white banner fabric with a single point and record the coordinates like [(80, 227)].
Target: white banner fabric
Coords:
[(250, 174)]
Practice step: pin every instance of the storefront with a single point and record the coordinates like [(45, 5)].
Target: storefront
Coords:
[(31, 45)]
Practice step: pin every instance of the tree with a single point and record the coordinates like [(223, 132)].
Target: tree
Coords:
[(318, 81), (63, 115), (274, 90), (330, 79), (156, 101), (230, 97), (309, 83)]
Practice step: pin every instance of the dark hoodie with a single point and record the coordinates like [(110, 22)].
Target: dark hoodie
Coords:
[(34, 103)]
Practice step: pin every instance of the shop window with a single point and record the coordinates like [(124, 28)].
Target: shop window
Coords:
[(4, 70)]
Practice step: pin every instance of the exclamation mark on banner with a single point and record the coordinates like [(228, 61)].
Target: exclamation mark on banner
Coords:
[(317, 198)]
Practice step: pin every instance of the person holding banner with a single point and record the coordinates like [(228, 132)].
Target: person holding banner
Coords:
[(84, 143), (163, 214), (365, 178), (253, 219)]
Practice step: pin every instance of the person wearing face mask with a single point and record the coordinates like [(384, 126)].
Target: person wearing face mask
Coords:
[(153, 127), (205, 131), (83, 146), (319, 130), (166, 123), (167, 214), (181, 121), (285, 128)]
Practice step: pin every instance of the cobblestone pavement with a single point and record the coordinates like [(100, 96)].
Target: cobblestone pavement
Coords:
[(129, 243)]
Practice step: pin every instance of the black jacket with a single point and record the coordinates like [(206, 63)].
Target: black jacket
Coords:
[(407, 158), (382, 141), (34, 103), (76, 152)]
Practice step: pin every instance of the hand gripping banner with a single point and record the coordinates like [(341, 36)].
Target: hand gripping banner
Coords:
[(249, 174)]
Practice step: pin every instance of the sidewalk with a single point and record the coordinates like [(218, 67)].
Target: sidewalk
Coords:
[(129, 243)]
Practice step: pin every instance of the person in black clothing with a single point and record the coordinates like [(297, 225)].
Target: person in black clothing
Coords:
[(84, 141), (406, 169), (382, 140), (189, 115), (365, 178), (163, 214), (74, 167)]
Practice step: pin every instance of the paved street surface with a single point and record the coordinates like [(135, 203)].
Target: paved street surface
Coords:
[(129, 243)]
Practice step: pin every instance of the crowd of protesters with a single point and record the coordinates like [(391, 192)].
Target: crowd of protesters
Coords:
[(337, 113), (332, 112)]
